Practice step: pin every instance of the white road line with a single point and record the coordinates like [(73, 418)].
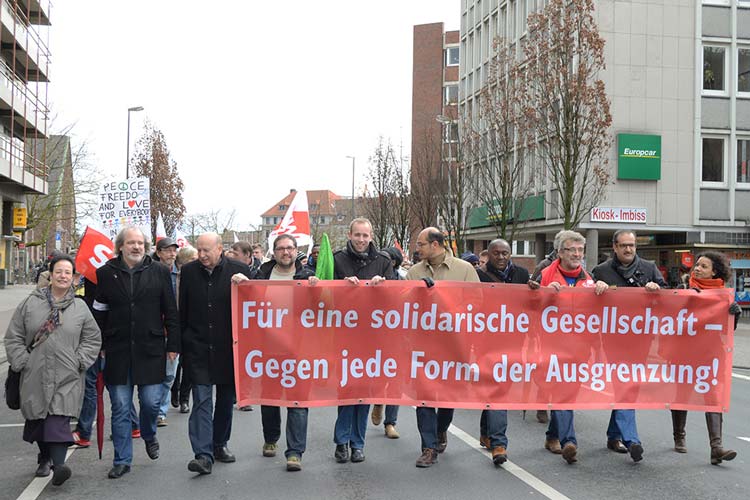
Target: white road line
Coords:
[(37, 485), (536, 483), (743, 377), (11, 425), (744, 438)]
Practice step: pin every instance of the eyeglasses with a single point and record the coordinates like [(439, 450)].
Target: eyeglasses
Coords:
[(285, 249), (422, 244), (573, 250), (626, 245)]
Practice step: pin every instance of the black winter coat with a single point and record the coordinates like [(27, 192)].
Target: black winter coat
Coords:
[(301, 272), (646, 272), (519, 275), (206, 320), (133, 308), (347, 263)]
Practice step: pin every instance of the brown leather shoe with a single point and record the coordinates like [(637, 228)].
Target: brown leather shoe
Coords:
[(616, 445), (569, 453), (442, 441), (553, 445), (499, 455), (391, 432), (428, 458), (542, 417), (484, 442), (377, 414)]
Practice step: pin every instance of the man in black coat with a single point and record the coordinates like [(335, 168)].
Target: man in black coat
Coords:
[(626, 269), (135, 307), (206, 322), (359, 261)]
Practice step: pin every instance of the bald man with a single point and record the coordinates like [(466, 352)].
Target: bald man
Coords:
[(206, 318)]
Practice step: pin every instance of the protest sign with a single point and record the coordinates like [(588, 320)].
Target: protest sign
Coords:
[(125, 203)]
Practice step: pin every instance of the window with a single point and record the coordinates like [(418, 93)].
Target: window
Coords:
[(512, 21), (451, 56), (282, 207), (451, 132), (451, 94), (743, 70), (714, 68), (743, 161), (712, 168)]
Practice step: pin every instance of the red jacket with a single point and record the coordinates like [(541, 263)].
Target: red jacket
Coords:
[(552, 273)]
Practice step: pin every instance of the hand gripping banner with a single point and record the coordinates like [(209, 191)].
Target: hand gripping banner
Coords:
[(472, 345)]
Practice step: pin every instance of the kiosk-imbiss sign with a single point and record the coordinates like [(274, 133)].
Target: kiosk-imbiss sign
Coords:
[(618, 214)]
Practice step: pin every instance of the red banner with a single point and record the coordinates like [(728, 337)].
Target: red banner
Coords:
[(93, 252), (471, 345)]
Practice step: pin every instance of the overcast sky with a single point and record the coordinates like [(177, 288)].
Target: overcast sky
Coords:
[(254, 97)]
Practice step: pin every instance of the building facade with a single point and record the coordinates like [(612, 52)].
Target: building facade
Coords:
[(24, 70), (678, 79)]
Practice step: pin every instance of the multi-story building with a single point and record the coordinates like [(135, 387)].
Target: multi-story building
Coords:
[(678, 79), (24, 70)]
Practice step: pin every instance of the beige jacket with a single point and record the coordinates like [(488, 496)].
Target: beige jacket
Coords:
[(451, 268)]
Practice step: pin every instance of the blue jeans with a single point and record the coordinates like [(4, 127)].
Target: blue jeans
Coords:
[(210, 426), (622, 426), (391, 415), (296, 428), (494, 423), (88, 409), (122, 406), (431, 422), (351, 426), (167, 386), (562, 427)]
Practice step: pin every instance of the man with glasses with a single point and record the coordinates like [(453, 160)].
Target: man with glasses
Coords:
[(566, 271), (626, 269)]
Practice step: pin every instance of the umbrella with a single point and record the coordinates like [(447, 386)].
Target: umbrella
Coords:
[(100, 411)]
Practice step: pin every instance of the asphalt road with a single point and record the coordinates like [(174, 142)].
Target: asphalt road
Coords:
[(464, 471)]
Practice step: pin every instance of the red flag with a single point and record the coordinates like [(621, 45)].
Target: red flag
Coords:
[(160, 231), (296, 222), (95, 249)]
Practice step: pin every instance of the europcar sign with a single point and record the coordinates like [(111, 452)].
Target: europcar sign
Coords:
[(639, 157)]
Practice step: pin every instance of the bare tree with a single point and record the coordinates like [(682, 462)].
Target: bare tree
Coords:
[(566, 103), (425, 165), (214, 221), (151, 159)]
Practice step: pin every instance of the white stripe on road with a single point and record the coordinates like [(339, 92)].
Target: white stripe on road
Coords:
[(37, 485), (536, 483), (743, 377), (11, 425), (744, 438)]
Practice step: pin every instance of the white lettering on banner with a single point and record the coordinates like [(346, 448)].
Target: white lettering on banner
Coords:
[(285, 369), (631, 215), (610, 322)]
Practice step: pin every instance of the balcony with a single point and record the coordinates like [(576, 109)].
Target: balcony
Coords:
[(22, 167), (22, 45), (37, 11), (16, 99)]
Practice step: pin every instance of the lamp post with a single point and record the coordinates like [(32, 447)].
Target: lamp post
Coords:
[(353, 159), (127, 149)]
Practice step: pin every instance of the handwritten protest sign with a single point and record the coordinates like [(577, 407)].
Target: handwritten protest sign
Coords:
[(467, 345), (125, 203)]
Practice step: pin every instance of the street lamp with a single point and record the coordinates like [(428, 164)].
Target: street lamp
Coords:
[(127, 149), (353, 159)]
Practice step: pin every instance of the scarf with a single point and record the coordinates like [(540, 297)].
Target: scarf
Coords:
[(706, 283), (503, 275), (359, 255), (53, 320), (628, 271)]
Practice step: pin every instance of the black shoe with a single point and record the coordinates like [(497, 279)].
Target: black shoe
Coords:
[(342, 453), (442, 441), (246, 408), (222, 454), (636, 452), (152, 449), (201, 465), (175, 400), (184, 408), (358, 455), (45, 466), (61, 474), (118, 470), (616, 445)]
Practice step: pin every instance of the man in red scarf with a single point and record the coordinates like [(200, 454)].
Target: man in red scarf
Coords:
[(567, 271)]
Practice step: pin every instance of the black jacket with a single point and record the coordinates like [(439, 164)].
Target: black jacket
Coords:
[(347, 263), (644, 273), (301, 272), (206, 320), (519, 275), (133, 308)]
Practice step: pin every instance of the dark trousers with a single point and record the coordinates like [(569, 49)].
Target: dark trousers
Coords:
[(430, 422), (296, 428), (181, 386), (210, 426)]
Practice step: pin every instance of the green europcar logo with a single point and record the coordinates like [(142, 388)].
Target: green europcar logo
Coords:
[(639, 157)]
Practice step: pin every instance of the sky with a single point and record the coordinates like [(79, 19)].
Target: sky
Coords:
[(254, 98)]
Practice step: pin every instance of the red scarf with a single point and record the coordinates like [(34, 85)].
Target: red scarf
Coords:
[(706, 283), (555, 272)]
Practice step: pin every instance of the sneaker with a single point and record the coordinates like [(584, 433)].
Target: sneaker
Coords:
[(79, 442), (391, 432), (553, 445), (60, 474), (377, 414), (293, 463), (636, 452), (342, 453), (499, 455), (136, 434), (569, 453), (616, 445), (161, 421), (269, 449), (442, 441), (484, 442), (428, 458)]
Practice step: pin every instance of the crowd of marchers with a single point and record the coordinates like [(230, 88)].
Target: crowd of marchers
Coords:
[(161, 322)]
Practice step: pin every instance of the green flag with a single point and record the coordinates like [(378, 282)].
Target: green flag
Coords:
[(324, 265)]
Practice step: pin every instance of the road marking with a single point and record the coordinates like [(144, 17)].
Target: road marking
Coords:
[(536, 483), (744, 438), (743, 377), (37, 485), (12, 425)]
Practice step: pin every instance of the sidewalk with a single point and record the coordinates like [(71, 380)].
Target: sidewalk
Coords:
[(10, 297)]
